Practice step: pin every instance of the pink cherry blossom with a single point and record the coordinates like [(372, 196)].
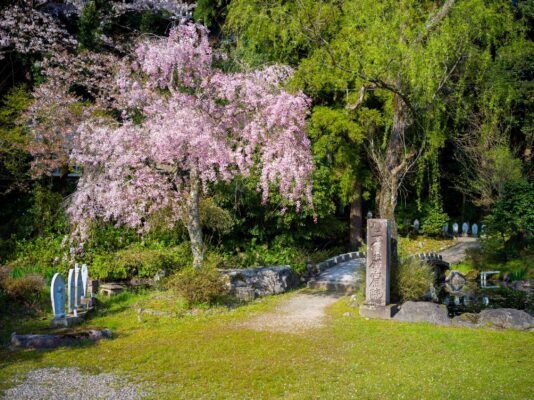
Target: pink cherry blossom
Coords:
[(199, 126)]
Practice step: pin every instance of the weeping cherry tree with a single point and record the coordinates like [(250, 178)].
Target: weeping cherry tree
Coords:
[(184, 126)]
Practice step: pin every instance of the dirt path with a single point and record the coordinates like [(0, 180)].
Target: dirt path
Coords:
[(456, 254), (295, 315)]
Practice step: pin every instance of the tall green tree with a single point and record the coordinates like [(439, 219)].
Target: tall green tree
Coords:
[(495, 129), (338, 147), (407, 55)]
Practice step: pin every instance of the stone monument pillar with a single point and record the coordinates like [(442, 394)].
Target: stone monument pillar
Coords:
[(378, 271)]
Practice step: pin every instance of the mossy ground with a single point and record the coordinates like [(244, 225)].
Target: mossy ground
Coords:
[(208, 355), (423, 244)]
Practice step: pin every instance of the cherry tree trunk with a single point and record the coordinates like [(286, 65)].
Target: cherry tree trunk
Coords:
[(193, 222), (395, 163), (356, 218)]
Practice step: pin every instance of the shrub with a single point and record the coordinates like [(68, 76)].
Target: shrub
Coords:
[(27, 290), (510, 223), (41, 255), (140, 261), (411, 279), (433, 223), (279, 252), (475, 257), (204, 285)]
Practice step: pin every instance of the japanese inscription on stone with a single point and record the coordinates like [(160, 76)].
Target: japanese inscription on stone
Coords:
[(378, 262)]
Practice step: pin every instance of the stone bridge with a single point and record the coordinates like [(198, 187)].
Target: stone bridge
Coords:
[(433, 259), (345, 273)]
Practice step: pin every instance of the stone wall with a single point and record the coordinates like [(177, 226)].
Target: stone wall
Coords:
[(250, 283)]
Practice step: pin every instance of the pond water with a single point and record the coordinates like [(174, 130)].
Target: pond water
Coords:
[(473, 298)]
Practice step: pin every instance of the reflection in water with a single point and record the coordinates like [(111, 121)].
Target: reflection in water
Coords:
[(473, 297)]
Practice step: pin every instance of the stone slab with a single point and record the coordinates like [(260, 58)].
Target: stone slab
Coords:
[(57, 340), (378, 312), (66, 321), (422, 311), (111, 289)]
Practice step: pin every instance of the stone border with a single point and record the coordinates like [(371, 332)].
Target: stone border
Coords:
[(429, 256), (329, 263), (333, 261), (432, 258)]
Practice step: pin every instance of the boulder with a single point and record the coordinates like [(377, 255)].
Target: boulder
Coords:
[(469, 320), (506, 318), (524, 286), (422, 311), (261, 281), (61, 339), (455, 278)]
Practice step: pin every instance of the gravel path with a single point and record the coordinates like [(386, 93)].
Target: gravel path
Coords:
[(296, 315), (350, 272), (71, 384), (456, 254)]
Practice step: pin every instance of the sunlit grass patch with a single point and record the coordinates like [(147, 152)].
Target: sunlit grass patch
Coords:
[(423, 244), (209, 355)]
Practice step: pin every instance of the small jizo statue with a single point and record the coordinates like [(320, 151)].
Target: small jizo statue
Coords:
[(57, 295)]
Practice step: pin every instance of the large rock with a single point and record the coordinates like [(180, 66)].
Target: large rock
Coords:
[(456, 279), (422, 311), (261, 281), (62, 339), (506, 318), (468, 320)]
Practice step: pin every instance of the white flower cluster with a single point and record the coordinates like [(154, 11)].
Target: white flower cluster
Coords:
[(176, 8), (27, 30)]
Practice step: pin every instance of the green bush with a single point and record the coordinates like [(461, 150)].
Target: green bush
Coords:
[(433, 222), (140, 261), (411, 279), (204, 285), (510, 223), (28, 290), (279, 252), (41, 255), (475, 257)]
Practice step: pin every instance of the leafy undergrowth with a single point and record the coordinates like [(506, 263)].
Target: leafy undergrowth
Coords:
[(207, 355)]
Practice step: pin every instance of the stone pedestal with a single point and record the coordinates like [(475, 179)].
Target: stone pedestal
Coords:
[(111, 289), (66, 321), (378, 312)]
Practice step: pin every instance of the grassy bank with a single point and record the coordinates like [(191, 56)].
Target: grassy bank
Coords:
[(209, 356)]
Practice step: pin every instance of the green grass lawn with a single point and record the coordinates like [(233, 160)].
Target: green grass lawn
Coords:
[(423, 244), (209, 356)]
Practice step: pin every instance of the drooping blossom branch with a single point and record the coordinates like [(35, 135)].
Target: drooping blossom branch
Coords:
[(76, 86), (93, 73), (53, 119)]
